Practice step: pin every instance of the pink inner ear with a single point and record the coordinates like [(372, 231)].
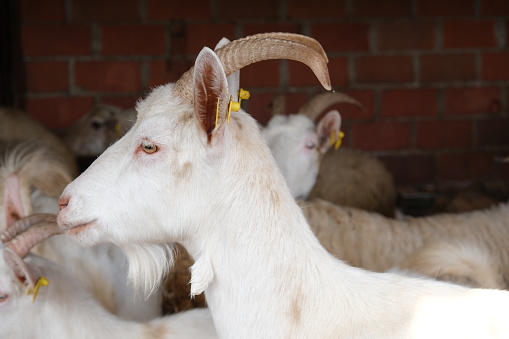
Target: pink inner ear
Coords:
[(12, 201)]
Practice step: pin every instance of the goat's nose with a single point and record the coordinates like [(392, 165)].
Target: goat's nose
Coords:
[(63, 202)]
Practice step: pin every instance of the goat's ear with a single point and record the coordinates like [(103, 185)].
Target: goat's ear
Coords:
[(210, 92), (25, 273), (13, 206), (329, 124)]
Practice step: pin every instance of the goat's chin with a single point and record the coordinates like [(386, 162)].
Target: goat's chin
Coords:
[(85, 235)]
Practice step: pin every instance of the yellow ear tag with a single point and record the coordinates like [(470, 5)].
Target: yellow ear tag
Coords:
[(336, 139), (40, 282), (339, 140), (118, 127), (217, 112)]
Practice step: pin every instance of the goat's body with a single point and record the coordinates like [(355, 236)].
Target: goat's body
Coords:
[(64, 310), (377, 243), (264, 273), (351, 178), (16, 125)]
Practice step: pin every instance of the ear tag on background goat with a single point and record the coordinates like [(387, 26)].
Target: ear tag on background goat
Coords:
[(40, 282), (336, 139), (118, 127), (233, 105)]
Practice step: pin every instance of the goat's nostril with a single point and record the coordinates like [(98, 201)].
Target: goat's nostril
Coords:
[(63, 202)]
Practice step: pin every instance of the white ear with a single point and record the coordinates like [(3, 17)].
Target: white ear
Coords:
[(211, 96), (233, 79), (25, 273), (329, 124)]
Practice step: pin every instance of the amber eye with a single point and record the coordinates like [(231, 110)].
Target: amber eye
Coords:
[(149, 147)]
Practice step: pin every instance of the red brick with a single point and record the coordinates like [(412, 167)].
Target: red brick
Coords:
[(42, 11), (403, 35), (250, 29), (409, 102), (495, 66), (58, 112), (261, 74), (472, 100), (342, 37), (444, 134), (201, 35), (133, 39), (447, 67), (304, 9), (302, 75), (495, 7), (100, 10), (461, 167), (165, 71), (122, 102), (493, 132), (384, 69), (469, 34), (381, 136), (46, 76), (234, 10), (178, 10), (387, 8), (122, 76), (410, 169), (445, 8), (38, 40)]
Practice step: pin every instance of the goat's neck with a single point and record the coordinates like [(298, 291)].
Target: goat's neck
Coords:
[(263, 258)]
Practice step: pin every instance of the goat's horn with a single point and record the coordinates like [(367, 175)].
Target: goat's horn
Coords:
[(305, 40), (23, 243), (316, 105), (25, 223), (243, 52)]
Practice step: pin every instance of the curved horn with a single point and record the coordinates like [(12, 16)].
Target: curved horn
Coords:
[(316, 105), (305, 40), (22, 243), (25, 223), (243, 52)]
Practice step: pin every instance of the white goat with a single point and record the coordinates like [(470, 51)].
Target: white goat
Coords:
[(63, 309), (372, 241), (98, 129), (32, 177), (344, 177), (16, 125), (216, 189)]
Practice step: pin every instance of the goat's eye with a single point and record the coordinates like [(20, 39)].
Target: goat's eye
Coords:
[(310, 145), (149, 147), (95, 124), (3, 297)]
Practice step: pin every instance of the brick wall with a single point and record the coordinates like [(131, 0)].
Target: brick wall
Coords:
[(432, 74)]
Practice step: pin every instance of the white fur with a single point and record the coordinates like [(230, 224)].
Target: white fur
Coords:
[(64, 310), (223, 196)]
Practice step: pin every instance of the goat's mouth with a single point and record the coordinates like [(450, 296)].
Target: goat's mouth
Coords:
[(75, 229)]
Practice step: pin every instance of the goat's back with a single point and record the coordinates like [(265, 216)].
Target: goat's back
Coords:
[(352, 178)]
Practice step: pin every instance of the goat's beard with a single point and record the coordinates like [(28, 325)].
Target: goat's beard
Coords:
[(148, 264)]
